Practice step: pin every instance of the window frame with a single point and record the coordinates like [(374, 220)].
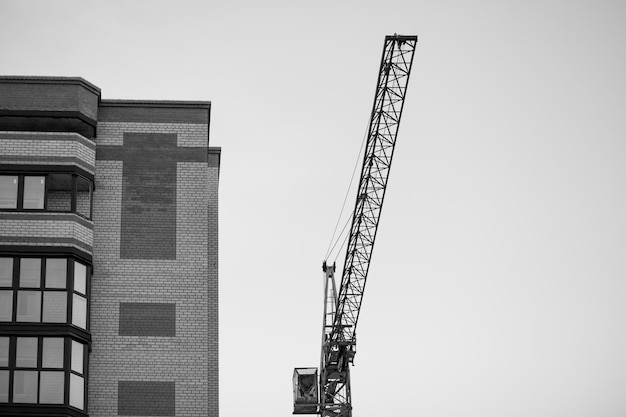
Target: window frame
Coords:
[(66, 369), (46, 174), (69, 290)]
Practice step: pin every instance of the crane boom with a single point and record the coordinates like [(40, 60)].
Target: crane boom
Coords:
[(393, 78), (341, 311)]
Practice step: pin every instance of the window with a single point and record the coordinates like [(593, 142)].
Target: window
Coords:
[(8, 191), (4, 385), (43, 290), (56, 192), (79, 311), (60, 192), (6, 297), (37, 370), (34, 192), (6, 305), (41, 364), (6, 271), (77, 376), (84, 191)]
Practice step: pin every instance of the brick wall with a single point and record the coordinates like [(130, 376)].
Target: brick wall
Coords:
[(140, 398), (46, 229), (147, 319), (154, 235), (48, 104), (47, 148), (49, 94), (126, 275), (213, 310)]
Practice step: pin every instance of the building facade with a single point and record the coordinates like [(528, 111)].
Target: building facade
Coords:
[(108, 253)]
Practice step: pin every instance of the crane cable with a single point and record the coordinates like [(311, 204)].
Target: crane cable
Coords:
[(333, 243), (345, 239)]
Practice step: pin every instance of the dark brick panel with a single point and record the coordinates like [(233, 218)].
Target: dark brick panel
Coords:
[(162, 112), (54, 94), (149, 192), (147, 319), (214, 154), (61, 122), (146, 398), (48, 104)]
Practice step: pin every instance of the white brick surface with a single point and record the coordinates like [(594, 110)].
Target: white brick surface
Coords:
[(38, 147), (190, 359), (189, 135), (38, 232)]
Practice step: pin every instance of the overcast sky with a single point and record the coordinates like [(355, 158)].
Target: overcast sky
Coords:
[(498, 281)]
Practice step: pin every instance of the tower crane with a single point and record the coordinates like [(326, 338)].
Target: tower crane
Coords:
[(328, 394)]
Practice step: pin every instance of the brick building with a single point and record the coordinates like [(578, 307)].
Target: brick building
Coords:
[(108, 253)]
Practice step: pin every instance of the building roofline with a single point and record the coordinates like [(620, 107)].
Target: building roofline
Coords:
[(155, 103), (36, 79)]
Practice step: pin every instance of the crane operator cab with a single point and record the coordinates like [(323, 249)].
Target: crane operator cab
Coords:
[(305, 394)]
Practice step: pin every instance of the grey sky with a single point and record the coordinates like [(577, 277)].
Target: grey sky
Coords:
[(498, 281)]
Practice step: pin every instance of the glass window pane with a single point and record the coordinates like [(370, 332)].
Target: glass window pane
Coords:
[(78, 352), (56, 272), (4, 386), (59, 192), (8, 191), (25, 387), (6, 305), (26, 352), (4, 351), (34, 191), (80, 278), (52, 356), (52, 385), (83, 196), (28, 306), (77, 391), (79, 311), (54, 307), (6, 272), (30, 272)]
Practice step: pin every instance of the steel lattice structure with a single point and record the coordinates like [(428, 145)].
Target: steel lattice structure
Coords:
[(391, 88), (341, 311), (339, 344)]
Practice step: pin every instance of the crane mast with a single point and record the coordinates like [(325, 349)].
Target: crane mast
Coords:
[(341, 311)]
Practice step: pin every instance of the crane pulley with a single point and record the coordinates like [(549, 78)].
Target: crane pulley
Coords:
[(330, 396)]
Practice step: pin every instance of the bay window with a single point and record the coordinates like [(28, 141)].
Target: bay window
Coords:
[(44, 290), (55, 192), (42, 370), (44, 320)]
